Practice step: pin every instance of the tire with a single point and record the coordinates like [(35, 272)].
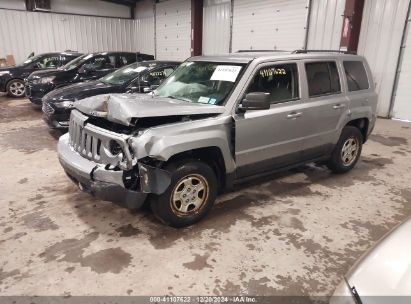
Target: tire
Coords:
[(186, 180), (15, 88), (347, 151)]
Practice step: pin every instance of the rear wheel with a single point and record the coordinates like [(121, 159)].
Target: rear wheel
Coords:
[(15, 88), (190, 196), (347, 151)]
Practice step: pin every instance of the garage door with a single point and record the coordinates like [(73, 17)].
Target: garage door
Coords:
[(216, 26), (402, 99), (382, 29), (269, 24), (173, 30)]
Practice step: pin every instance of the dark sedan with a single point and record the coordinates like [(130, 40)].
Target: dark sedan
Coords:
[(12, 78), (87, 67), (139, 77)]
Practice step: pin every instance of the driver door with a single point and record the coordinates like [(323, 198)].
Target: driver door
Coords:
[(272, 138)]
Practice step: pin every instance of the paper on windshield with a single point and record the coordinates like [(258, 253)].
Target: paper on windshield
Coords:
[(226, 73)]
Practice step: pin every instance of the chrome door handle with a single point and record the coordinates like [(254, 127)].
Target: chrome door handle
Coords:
[(294, 115), (339, 106)]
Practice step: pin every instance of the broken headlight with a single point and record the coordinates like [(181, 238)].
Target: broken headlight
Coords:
[(115, 148)]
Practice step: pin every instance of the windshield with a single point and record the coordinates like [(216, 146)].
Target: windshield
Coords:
[(76, 62), (124, 75), (201, 82)]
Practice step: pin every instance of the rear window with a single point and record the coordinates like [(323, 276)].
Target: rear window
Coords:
[(356, 76), (323, 78)]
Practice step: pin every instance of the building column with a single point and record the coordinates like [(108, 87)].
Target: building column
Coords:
[(196, 27), (350, 34)]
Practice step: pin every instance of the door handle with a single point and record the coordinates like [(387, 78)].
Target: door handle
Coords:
[(294, 115), (339, 106)]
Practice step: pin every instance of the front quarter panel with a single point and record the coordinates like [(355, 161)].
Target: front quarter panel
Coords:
[(163, 142)]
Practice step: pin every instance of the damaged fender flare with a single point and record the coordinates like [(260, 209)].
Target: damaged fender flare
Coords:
[(153, 180)]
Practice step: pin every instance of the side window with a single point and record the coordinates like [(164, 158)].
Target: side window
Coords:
[(156, 76), (49, 62), (66, 59), (356, 76), (126, 59), (323, 78), (281, 81), (100, 63)]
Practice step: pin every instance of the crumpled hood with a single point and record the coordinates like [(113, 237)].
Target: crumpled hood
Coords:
[(122, 108), (386, 269)]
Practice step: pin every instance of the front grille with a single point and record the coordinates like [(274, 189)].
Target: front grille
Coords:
[(81, 141), (47, 109), (94, 143)]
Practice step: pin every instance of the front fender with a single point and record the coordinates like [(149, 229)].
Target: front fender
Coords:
[(165, 142)]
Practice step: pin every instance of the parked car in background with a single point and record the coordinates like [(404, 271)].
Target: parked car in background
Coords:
[(137, 77), (84, 68), (216, 121), (382, 275), (12, 78)]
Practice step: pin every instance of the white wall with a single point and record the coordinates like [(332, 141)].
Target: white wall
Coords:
[(83, 7), (13, 4), (216, 26), (402, 96), (24, 32), (90, 7), (326, 21), (144, 26), (380, 40)]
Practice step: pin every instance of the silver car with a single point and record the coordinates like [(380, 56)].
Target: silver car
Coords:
[(217, 121), (382, 275)]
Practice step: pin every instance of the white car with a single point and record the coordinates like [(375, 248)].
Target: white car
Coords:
[(383, 274)]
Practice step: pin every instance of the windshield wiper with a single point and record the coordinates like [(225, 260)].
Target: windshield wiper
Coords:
[(179, 98)]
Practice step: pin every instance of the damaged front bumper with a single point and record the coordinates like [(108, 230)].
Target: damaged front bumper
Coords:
[(106, 184)]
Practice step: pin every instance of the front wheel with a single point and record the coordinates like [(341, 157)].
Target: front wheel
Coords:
[(347, 151), (15, 88), (190, 196)]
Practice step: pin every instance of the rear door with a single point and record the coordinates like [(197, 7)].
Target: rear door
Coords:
[(272, 138), (327, 106)]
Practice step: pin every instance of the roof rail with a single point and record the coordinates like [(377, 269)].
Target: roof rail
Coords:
[(259, 51), (323, 51)]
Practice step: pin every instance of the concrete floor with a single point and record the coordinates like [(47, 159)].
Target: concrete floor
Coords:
[(295, 233)]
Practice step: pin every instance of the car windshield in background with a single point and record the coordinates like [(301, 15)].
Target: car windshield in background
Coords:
[(76, 62), (124, 75), (201, 82)]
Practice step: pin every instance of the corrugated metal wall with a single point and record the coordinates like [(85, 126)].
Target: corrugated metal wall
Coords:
[(380, 40), (144, 27), (59, 32), (216, 26), (173, 29), (401, 98), (326, 21), (269, 24)]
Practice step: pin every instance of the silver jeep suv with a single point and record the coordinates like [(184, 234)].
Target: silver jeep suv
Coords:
[(217, 121)]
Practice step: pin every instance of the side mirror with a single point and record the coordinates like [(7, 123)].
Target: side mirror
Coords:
[(256, 101)]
